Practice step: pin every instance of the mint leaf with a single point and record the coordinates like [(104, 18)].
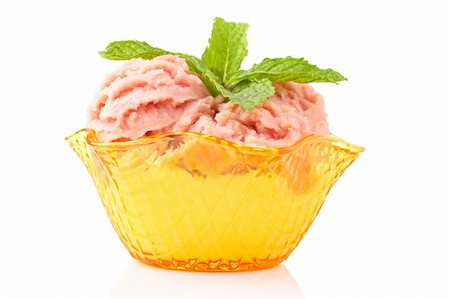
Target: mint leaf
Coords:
[(208, 77), (247, 94), (227, 48), (287, 69), (127, 49), (251, 93)]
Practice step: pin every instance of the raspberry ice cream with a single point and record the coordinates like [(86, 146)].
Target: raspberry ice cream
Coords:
[(147, 97)]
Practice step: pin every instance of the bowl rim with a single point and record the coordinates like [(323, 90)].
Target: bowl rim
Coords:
[(92, 141)]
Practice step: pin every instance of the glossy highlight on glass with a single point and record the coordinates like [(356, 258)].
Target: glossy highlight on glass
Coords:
[(190, 201)]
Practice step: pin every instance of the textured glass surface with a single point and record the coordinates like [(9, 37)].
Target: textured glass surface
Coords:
[(194, 202)]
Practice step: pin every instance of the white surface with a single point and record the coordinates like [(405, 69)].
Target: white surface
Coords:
[(383, 231)]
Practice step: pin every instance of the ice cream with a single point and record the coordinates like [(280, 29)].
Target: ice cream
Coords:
[(147, 97)]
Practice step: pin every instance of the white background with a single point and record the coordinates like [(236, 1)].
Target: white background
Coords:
[(384, 229)]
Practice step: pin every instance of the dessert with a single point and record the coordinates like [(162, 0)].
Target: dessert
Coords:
[(202, 166), (149, 97)]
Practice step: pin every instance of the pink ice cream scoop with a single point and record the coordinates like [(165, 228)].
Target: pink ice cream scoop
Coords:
[(146, 97)]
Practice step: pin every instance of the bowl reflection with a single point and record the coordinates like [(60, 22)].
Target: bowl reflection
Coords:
[(139, 280)]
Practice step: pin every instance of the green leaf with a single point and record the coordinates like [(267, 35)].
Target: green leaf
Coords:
[(227, 48), (250, 94), (287, 69), (208, 77), (127, 49), (247, 94)]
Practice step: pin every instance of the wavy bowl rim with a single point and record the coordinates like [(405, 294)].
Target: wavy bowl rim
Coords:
[(91, 140)]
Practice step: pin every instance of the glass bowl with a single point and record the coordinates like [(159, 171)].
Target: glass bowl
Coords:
[(191, 201)]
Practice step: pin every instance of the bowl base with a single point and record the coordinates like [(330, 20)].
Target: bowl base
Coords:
[(211, 266)]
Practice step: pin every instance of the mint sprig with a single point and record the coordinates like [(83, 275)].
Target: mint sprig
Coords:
[(127, 49), (227, 48), (247, 94), (287, 69), (250, 94), (220, 65)]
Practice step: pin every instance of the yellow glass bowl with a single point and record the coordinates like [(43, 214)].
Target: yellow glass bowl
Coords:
[(191, 201)]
